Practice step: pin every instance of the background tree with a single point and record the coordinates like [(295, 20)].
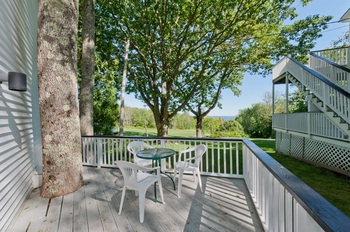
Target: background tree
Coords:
[(87, 67), (177, 46), (219, 128), (297, 102), (136, 117), (58, 97), (183, 121), (211, 125), (279, 101), (256, 120), (342, 41), (106, 113), (231, 128), (207, 98), (142, 118), (122, 97), (107, 77)]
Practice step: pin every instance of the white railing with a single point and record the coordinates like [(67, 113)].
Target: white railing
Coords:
[(339, 56), (335, 98), (223, 158), (334, 73), (311, 123), (283, 202)]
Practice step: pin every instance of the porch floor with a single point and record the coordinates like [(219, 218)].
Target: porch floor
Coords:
[(225, 205)]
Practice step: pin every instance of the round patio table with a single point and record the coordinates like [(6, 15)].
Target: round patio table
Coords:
[(156, 154)]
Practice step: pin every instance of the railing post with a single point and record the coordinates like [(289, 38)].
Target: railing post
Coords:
[(348, 66), (162, 143), (286, 121), (162, 161), (333, 75), (99, 152), (324, 97), (308, 124), (348, 57)]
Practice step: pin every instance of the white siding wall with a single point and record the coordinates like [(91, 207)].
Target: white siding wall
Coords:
[(20, 135)]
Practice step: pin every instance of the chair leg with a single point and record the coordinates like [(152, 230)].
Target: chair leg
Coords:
[(199, 180), (122, 200), (161, 190), (175, 171), (195, 178), (179, 185), (142, 197)]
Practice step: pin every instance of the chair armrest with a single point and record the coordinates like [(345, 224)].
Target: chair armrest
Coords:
[(145, 169), (189, 159), (140, 168), (187, 162), (185, 151), (155, 169)]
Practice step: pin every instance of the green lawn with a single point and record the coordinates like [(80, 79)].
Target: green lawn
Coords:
[(133, 131), (332, 186)]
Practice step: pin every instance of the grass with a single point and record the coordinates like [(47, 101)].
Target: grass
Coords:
[(332, 186), (133, 131)]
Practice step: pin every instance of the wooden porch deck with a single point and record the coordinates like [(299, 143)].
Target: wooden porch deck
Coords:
[(225, 205)]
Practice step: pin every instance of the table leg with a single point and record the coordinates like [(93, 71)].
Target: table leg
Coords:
[(155, 163), (155, 184), (161, 172), (170, 177)]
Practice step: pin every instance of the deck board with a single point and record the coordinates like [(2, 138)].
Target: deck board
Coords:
[(225, 205), (67, 213), (80, 211)]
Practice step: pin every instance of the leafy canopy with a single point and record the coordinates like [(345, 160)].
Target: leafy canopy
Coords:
[(178, 48)]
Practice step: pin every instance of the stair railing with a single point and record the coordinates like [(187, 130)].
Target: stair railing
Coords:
[(336, 73), (340, 56), (332, 95)]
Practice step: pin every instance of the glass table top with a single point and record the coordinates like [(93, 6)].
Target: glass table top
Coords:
[(155, 153)]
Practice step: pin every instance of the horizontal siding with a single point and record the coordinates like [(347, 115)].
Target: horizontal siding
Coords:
[(19, 111)]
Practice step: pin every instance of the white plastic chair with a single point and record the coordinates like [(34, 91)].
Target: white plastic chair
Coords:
[(191, 164), (137, 178), (137, 146)]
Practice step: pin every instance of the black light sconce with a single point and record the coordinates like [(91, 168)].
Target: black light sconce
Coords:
[(17, 81)]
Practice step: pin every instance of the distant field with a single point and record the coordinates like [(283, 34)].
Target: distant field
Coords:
[(132, 131)]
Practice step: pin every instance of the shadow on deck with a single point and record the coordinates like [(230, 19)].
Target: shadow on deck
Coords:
[(225, 205)]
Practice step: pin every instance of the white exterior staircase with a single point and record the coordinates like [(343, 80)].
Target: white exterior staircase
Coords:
[(322, 135), (327, 86)]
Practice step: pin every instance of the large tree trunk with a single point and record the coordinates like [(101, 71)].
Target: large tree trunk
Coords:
[(162, 124), (87, 68), (122, 97), (58, 97), (199, 126)]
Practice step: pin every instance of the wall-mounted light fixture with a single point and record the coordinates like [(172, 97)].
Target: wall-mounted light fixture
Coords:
[(17, 81)]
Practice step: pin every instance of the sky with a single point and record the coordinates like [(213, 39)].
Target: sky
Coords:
[(254, 86)]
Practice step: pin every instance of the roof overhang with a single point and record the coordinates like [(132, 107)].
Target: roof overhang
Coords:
[(346, 17)]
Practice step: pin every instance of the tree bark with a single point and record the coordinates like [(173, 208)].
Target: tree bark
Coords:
[(87, 67), (58, 97), (162, 124), (125, 69), (199, 126)]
